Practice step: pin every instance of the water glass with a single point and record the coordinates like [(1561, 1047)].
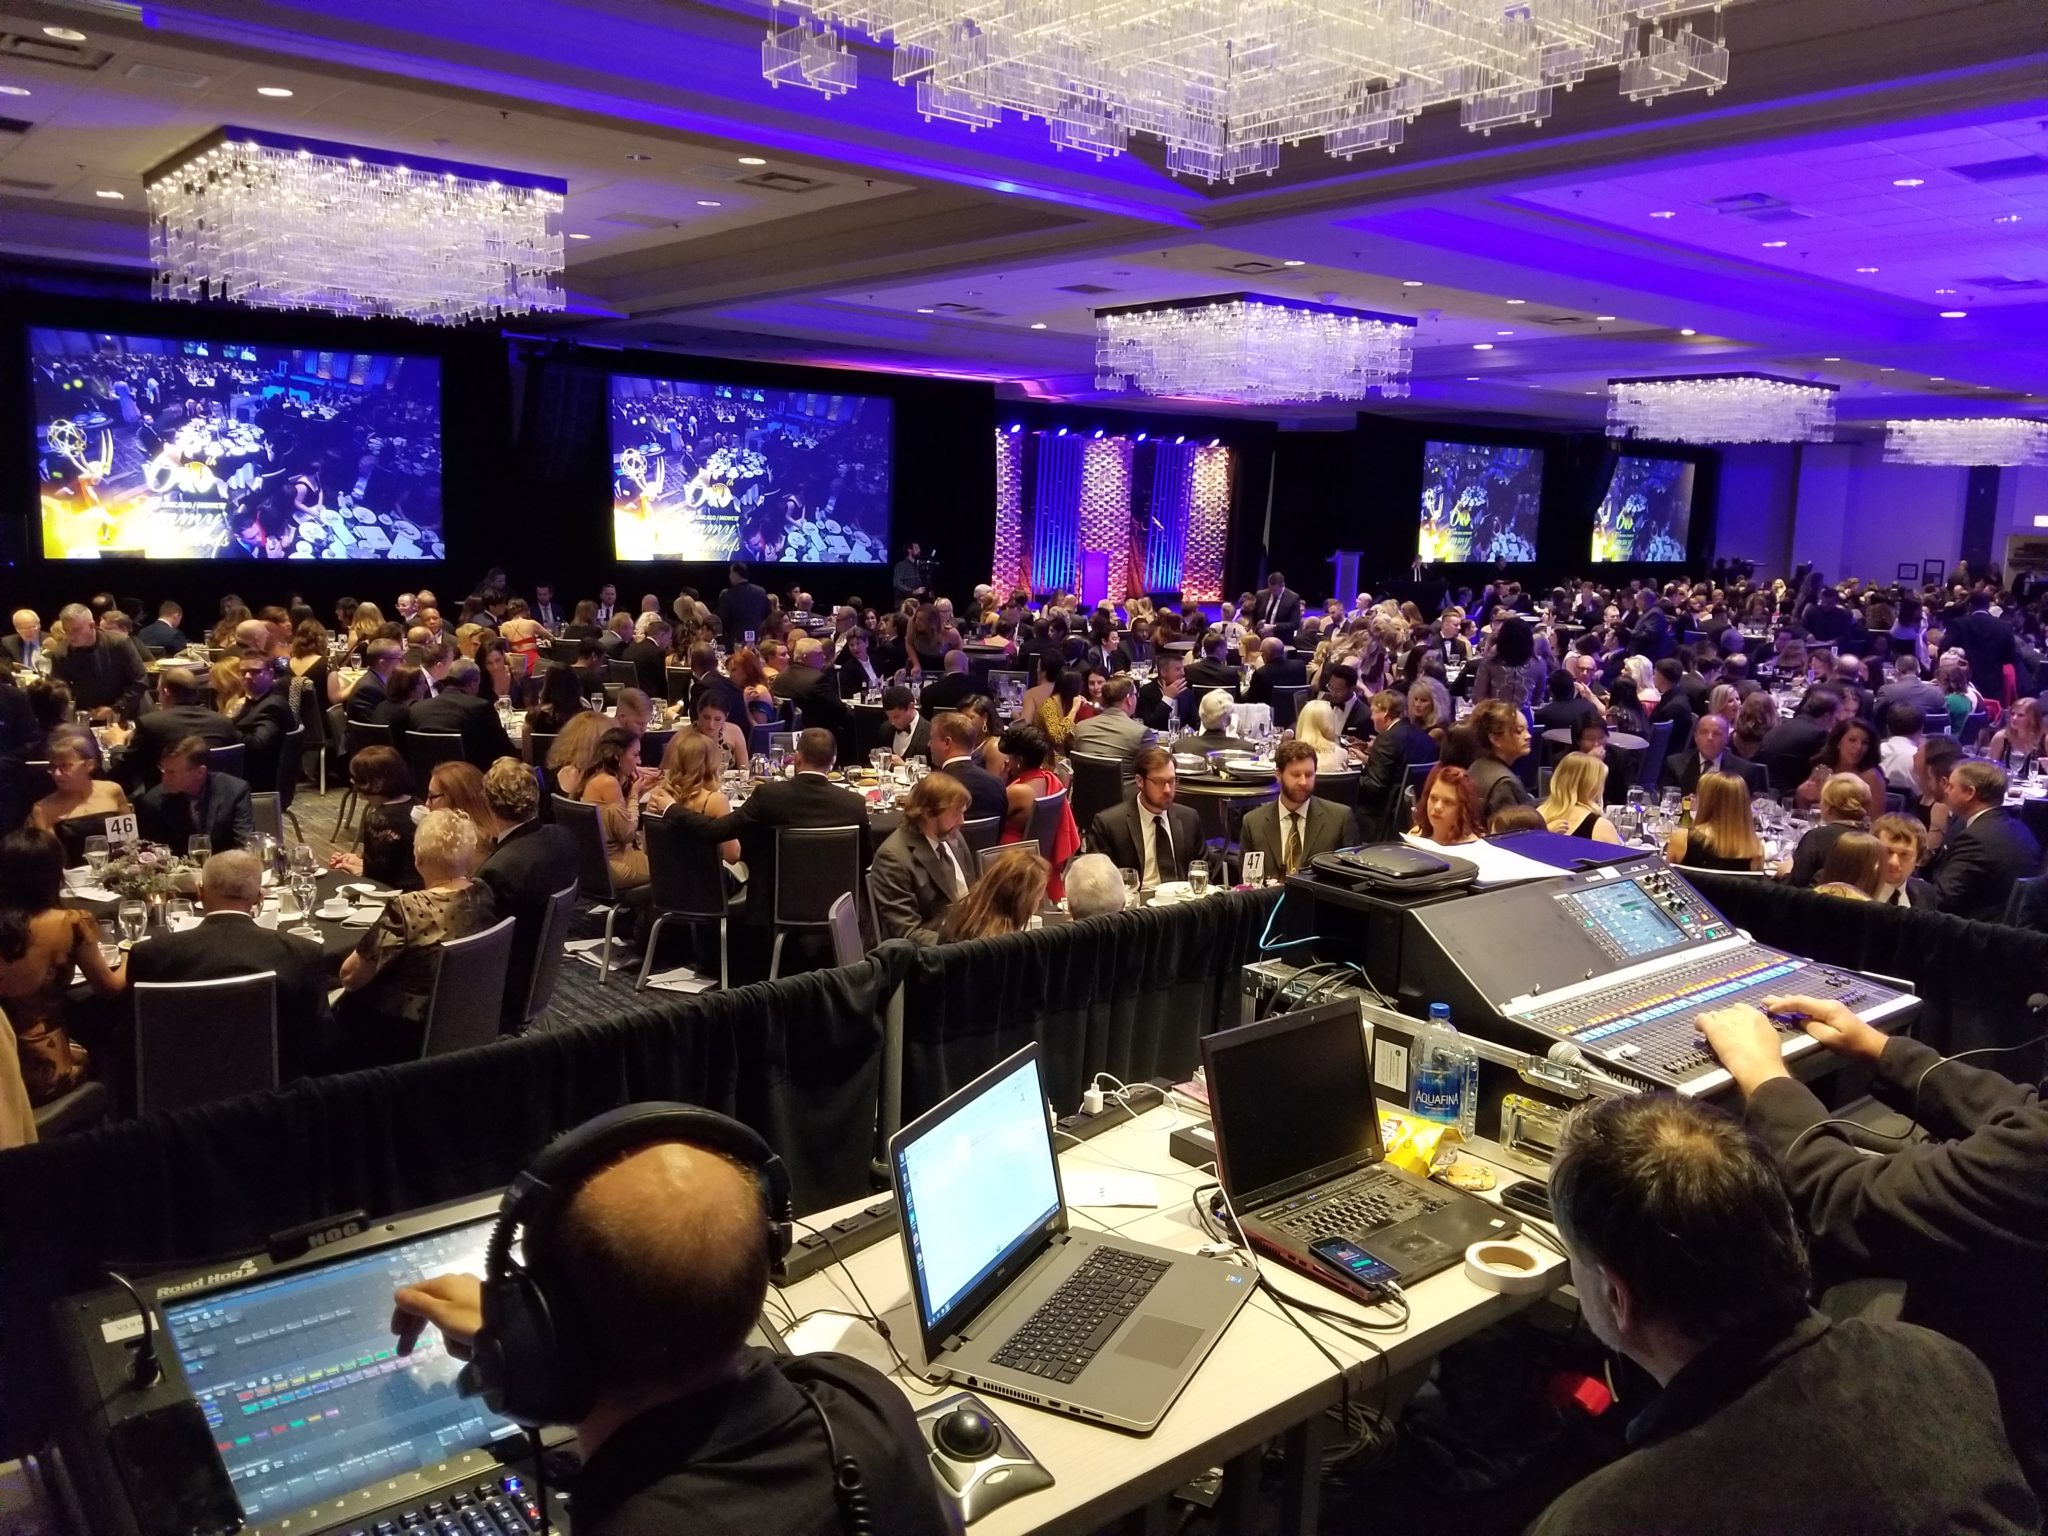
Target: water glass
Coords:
[(1132, 880), (1671, 804), (178, 914), (96, 855), (303, 860), (134, 919), (878, 759), (306, 888), (1198, 878)]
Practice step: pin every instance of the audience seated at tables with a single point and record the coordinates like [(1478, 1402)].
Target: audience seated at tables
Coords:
[(711, 723), (953, 738), (1315, 726), (1755, 718), (924, 866), (1502, 736), (1960, 1214), (1147, 831), (1957, 696), (1213, 669), (1904, 842), (1217, 714), (1987, 847), (224, 688), (42, 947), (191, 800), (1515, 818), (79, 804), (1904, 731), (561, 700), (692, 768), (1578, 788), (988, 740), (1068, 706), (1908, 687), (614, 784), (264, 721), (458, 709), (573, 751), (1116, 732), (1624, 709), (1095, 887), (181, 711), (1276, 670), (460, 787), (385, 821), (1723, 831), (1566, 707), (1853, 868), (2018, 743), (1844, 806), (747, 676), (1003, 900), (951, 688), (1511, 672), (389, 976), (227, 942), (102, 671), (1296, 825), (633, 711), (1165, 701), (1851, 747), (1789, 750), (1932, 764), (905, 733), (1709, 752), (1029, 754), (367, 696), (814, 689), (1397, 745), (529, 861), (1448, 810)]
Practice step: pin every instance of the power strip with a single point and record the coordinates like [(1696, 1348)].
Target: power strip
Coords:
[(1115, 1110), (814, 1251)]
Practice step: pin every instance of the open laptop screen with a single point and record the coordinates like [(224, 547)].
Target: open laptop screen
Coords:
[(978, 1186), (1291, 1098)]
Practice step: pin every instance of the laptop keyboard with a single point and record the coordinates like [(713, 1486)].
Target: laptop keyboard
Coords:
[(503, 1508), (1070, 1328), (1373, 1200)]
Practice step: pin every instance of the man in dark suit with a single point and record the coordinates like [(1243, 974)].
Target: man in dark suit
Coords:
[(950, 689), (1147, 831), (164, 637), (812, 688), (528, 864), (1354, 711), (1903, 840), (180, 712), (27, 642), (459, 710), (103, 671), (1673, 703), (810, 799), (1213, 669), (1987, 847), (1167, 699), (649, 655), (1907, 686), (1788, 748), (953, 737), (382, 660), (546, 612), (905, 733), (1708, 753), (264, 723), (1277, 609), (1397, 745), (742, 606), (1988, 645), (1294, 827), (925, 865), (192, 801), (706, 678), (228, 943), (1651, 634), (1566, 708), (1276, 670)]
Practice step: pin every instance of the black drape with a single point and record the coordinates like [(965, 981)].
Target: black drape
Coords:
[(798, 1059), (1973, 978), (1130, 995)]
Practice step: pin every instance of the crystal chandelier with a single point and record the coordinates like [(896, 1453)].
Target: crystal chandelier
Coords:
[(1225, 83), (1983, 440), (291, 223), (1721, 408), (1252, 349)]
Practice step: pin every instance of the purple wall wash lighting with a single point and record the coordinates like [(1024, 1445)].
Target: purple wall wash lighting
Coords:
[(1056, 511), (1007, 569)]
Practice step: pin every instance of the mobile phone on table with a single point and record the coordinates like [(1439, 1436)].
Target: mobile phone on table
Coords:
[(1354, 1263)]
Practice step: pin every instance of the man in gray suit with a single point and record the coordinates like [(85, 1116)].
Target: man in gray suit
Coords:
[(1116, 732), (1147, 831), (1295, 827), (924, 866)]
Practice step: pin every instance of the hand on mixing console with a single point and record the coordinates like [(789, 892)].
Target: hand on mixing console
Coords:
[(1833, 1025), (452, 1303), (1745, 1043)]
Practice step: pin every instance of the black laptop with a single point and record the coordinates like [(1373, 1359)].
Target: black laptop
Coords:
[(1298, 1151)]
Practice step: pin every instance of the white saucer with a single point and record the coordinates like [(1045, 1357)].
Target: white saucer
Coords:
[(333, 912)]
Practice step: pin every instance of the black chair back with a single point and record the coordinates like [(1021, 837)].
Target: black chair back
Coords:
[(1045, 823), (813, 867), (685, 875), (198, 1041), (676, 684), (358, 734), (427, 750), (538, 745), (1340, 787), (1937, 722), (1287, 704), (469, 990), (621, 674), (548, 954), (1651, 768), (288, 764), (982, 833), (1098, 785), (586, 825), (232, 761)]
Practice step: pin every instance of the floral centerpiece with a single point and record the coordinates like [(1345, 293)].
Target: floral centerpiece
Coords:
[(142, 873)]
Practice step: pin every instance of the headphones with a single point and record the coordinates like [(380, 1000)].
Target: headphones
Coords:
[(531, 1361)]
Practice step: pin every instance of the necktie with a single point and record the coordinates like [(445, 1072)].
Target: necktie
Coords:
[(952, 863), (1158, 851), (1290, 847)]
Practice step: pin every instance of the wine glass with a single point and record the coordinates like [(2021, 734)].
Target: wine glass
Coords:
[(96, 856), (1132, 880), (134, 919), (302, 860), (198, 849)]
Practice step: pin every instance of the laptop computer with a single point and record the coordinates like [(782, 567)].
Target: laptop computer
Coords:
[(1009, 1300), (1298, 1151)]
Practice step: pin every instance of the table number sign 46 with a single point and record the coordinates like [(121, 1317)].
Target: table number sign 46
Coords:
[(121, 831)]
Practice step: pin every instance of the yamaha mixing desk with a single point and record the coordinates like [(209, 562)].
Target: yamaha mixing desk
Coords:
[(1619, 962)]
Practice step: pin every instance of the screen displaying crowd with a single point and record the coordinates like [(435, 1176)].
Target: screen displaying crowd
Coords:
[(169, 449), (1647, 511), (723, 471), (1479, 502)]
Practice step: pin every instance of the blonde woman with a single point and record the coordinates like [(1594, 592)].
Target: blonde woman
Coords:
[(1317, 726), (1578, 785), (230, 693), (2018, 741), (1845, 807), (690, 772), (575, 749), (1429, 708), (1723, 831), (1637, 669), (362, 629)]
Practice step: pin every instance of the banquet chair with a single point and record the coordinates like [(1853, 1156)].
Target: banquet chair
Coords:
[(594, 871), (982, 833), (1045, 823), (1341, 787), (469, 990), (823, 863), (621, 674), (357, 735), (548, 955), (197, 1041), (1651, 769), (686, 882), (268, 813), (427, 750), (232, 761), (1287, 704), (79, 1110), (848, 947), (1098, 785)]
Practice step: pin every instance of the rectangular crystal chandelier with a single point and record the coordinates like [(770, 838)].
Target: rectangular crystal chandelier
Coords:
[(1722, 408), (2004, 440), (1252, 349), (1225, 83), (291, 223)]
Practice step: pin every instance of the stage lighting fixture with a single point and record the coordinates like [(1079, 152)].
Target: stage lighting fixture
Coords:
[(1062, 432)]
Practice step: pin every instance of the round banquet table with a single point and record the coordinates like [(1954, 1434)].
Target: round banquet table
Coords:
[(337, 937)]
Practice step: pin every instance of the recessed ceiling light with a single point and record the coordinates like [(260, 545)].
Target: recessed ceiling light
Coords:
[(1887, 370), (1412, 282), (637, 156), (1688, 331), (1518, 301), (64, 34), (1606, 317), (1955, 314), (1482, 346), (279, 91), (1775, 245), (1941, 292), (2007, 218), (709, 202), (576, 236), (110, 194), (1983, 386), (1038, 325), (1665, 213), (1910, 181), (1471, 378), (923, 311), (13, 90), (752, 160), (1503, 333), (1831, 359), (1866, 269), (1592, 391), (1937, 378), (1293, 263)]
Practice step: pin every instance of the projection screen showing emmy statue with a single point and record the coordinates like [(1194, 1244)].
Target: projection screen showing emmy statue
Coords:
[(743, 472), (1480, 501), (169, 448), (1647, 511)]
